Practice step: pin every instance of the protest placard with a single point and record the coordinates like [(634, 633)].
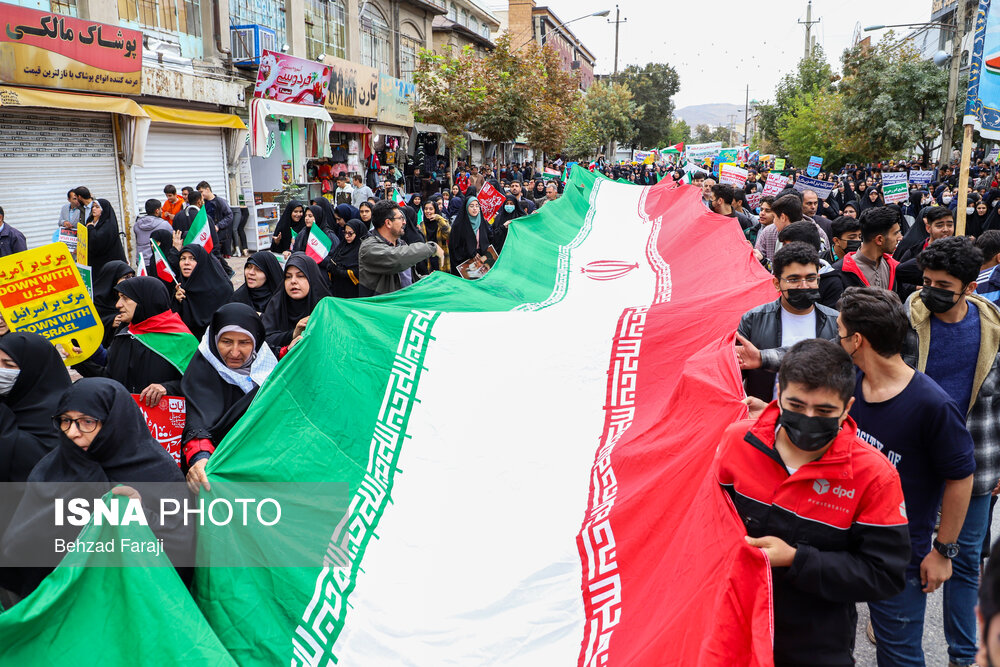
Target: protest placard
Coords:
[(729, 155), (41, 291), (473, 269), (490, 201), (165, 422), (779, 163), (894, 186), (753, 200), (815, 164), (821, 188), (919, 177), (993, 154), (698, 152), (774, 184), (733, 175)]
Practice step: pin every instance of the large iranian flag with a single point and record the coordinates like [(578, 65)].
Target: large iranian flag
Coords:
[(528, 458)]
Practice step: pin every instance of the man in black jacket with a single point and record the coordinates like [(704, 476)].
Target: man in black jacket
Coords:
[(221, 214), (766, 332), (872, 264)]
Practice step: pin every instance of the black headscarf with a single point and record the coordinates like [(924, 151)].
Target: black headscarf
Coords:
[(539, 191), (302, 240), (206, 289), (149, 294), (26, 430), (914, 236), (346, 212), (105, 296), (104, 243), (165, 242), (283, 312), (464, 243), (865, 201), (215, 405), (122, 452), (257, 297), (499, 229), (286, 225), (327, 222), (455, 206), (345, 260)]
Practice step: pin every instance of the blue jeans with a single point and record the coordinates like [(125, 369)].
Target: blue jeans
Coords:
[(961, 590), (899, 626)]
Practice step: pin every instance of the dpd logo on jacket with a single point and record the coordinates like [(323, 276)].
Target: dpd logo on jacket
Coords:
[(821, 486)]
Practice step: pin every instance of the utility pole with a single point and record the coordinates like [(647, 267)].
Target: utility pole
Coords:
[(808, 23), (746, 117), (956, 60), (618, 20)]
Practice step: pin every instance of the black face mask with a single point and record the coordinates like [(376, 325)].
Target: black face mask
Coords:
[(852, 246), (800, 299), (937, 299), (808, 433)]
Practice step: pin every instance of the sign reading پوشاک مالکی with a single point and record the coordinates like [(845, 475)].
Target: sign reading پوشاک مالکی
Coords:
[(894, 186), (285, 78), (41, 291), (54, 51)]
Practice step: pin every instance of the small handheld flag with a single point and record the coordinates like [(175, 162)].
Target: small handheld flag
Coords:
[(163, 270), (199, 232), (318, 245), (141, 271)]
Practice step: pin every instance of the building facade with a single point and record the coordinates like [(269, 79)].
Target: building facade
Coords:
[(171, 99), (527, 22)]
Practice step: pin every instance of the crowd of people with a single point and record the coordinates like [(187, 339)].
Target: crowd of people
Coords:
[(868, 471)]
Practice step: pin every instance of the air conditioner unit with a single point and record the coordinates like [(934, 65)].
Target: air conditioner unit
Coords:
[(249, 42)]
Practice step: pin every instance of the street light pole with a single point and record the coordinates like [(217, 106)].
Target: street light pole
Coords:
[(956, 61), (618, 20), (746, 117)]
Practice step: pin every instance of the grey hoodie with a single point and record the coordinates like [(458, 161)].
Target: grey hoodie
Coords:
[(143, 228)]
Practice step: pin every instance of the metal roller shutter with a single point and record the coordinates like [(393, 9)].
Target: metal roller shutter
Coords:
[(45, 153), (181, 155)]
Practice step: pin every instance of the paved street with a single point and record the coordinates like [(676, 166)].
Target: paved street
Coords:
[(935, 648)]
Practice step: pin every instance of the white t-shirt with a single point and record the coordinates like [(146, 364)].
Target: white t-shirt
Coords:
[(797, 327), (793, 329)]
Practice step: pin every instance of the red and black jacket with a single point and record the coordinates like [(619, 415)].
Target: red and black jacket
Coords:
[(844, 514), (846, 273)]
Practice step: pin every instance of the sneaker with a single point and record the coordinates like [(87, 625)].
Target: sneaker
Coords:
[(870, 633)]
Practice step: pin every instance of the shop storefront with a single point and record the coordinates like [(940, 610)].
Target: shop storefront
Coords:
[(52, 140), (390, 135), (289, 129), (352, 102), (185, 147)]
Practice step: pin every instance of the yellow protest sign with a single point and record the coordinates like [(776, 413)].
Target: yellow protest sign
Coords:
[(779, 163), (82, 246), (41, 291)]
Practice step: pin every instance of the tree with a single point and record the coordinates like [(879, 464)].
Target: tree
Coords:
[(510, 91), (893, 100), (450, 93), (812, 75), (811, 127), (704, 133), (611, 110), (653, 87), (583, 140), (680, 132), (557, 94)]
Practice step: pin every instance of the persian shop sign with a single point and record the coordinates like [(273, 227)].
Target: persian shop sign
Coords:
[(394, 96), (54, 51), (289, 79), (353, 89)]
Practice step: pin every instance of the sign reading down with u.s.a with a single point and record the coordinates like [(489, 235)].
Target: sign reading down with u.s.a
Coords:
[(41, 291)]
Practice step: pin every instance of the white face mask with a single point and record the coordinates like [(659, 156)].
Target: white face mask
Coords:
[(946, 199), (8, 376), (970, 209)]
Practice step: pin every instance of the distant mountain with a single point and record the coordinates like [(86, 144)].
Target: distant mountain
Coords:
[(709, 114)]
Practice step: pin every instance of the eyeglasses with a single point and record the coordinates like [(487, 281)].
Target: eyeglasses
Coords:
[(83, 424), (801, 280), (397, 218)]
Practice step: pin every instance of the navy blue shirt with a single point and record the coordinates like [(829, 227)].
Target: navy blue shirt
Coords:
[(923, 434), (953, 353)]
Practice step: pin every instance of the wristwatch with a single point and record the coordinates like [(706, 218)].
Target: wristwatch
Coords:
[(949, 551)]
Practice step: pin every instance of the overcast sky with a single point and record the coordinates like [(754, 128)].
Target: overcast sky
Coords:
[(718, 47)]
